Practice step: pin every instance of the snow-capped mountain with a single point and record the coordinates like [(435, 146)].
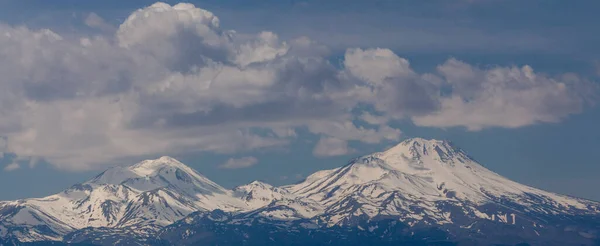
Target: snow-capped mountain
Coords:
[(274, 202), (402, 193), (150, 193), (418, 179), (259, 194)]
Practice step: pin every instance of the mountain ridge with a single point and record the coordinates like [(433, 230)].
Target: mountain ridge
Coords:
[(419, 183)]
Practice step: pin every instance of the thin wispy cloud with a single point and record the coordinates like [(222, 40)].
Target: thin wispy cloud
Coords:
[(12, 167), (95, 21), (237, 163), (327, 147)]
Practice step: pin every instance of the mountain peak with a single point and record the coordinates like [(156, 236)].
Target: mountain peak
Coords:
[(168, 159), (418, 140), (259, 183), (258, 194), (158, 173), (416, 148), (163, 159), (254, 185), (148, 167)]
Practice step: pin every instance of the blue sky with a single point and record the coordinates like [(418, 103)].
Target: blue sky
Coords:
[(554, 146)]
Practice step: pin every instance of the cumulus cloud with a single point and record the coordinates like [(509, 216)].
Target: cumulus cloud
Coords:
[(328, 146), (171, 80), (397, 89), (504, 97), (376, 65), (243, 162), (461, 95)]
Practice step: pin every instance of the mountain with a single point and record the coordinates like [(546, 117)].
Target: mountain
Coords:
[(419, 192), (419, 179), (149, 194)]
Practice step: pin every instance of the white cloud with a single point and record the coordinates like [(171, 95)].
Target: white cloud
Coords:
[(396, 89), (243, 162), (284, 132), (171, 80), (327, 147), (467, 96), (376, 65), (11, 167), (374, 119), (349, 131), (95, 21), (504, 97)]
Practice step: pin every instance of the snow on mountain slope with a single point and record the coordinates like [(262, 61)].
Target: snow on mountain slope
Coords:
[(417, 180), (153, 192), (275, 202), (258, 194)]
